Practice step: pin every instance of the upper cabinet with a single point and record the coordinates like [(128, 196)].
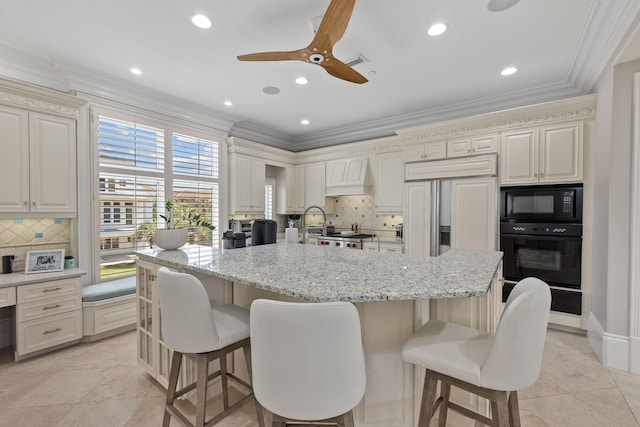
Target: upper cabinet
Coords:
[(247, 184), (38, 170), (472, 145), (291, 183), (389, 182), (549, 154), (315, 187), (426, 151)]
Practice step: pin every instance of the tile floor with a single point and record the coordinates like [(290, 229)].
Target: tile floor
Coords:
[(100, 384)]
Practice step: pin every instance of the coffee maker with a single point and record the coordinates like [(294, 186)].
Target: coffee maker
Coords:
[(263, 232)]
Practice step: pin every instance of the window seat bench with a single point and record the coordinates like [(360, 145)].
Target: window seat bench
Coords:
[(108, 308)]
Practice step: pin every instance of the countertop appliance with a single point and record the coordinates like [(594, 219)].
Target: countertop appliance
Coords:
[(263, 232), (344, 241), (231, 240), (241, 226), (541, 236)]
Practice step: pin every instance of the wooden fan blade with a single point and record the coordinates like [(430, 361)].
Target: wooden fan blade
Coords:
[(274, 56), (333, 25), (342, 71)]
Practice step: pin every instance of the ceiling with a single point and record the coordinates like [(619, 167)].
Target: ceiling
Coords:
[(559, 48)]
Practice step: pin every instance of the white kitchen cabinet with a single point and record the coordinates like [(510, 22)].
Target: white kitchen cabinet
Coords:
[(48, 314), (550, 154), (472, 145), (426, 151), (417, 217), (389, 182), (300, 179), (384, 247), (38, 172), (247, 184), (315, 187), (7, 296), (286, 183)]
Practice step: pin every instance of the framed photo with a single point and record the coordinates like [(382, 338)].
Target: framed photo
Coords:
[(44, 261)]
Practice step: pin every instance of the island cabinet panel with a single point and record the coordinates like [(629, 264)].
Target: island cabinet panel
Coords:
[(388, 398)]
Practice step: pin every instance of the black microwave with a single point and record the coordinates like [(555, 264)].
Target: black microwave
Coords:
[(541, 203)]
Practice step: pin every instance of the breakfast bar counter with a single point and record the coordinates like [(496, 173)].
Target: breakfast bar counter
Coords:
[(319, 274), (394, 294)]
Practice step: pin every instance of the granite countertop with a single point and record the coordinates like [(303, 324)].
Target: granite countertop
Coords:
[(19, 278), (317, 273)]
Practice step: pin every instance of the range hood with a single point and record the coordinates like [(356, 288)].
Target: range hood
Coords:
[(348, 177)]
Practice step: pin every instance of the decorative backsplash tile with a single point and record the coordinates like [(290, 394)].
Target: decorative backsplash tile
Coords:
[(361, 210), (20, 235)]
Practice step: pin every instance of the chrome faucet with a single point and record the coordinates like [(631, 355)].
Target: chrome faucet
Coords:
[(324, 223)]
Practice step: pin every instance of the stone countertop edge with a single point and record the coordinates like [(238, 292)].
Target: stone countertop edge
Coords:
[(321, 274), (19, 279)]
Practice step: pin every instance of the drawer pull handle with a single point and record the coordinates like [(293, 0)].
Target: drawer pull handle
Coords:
[(52, 331), (49, 307), (51, 289)]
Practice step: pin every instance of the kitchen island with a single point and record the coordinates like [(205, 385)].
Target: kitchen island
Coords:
[(391, 291)]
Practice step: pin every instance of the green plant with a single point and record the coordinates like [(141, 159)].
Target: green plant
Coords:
[(183, 215)]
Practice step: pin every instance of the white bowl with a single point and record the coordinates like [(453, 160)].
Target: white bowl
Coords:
[(170, 238)]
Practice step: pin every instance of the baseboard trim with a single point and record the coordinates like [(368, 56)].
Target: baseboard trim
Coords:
[(595, 334), (615, 350), (634, 355)]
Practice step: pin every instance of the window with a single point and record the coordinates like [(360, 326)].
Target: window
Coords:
[(136, 176), (269, 199)]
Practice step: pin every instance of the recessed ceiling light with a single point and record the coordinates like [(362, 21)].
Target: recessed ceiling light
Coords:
[(201, 21), (136, 71), (304, 122), (302, 80), (228, 103), (508, 71), (437, 29)]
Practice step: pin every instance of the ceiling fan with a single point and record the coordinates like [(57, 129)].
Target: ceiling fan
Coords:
[(319, 52)]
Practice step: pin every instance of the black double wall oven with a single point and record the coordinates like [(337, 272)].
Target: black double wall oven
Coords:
[(541, 236)]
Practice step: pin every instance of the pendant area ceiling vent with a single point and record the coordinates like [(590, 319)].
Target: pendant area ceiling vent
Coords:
[(358, 59)]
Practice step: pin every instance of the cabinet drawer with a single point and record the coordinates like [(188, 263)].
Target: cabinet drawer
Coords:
[(50, 289), (49, 331), (48, 306), (7, 296), (397, 248)]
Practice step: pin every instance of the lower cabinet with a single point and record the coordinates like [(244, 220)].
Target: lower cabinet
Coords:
[(48, 314), (384, 247)]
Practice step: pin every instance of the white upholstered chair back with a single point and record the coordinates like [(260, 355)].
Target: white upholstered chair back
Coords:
[(308, 360), (187, 321), (514, 358)]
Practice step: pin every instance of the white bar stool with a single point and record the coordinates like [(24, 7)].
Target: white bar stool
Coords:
[(493, 366), (191, 327), (308, 361)]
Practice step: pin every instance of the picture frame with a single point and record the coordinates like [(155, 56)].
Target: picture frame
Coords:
[(44, 261)]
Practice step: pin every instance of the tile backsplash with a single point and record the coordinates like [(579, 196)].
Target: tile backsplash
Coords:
[(361, 210), (20, 235)]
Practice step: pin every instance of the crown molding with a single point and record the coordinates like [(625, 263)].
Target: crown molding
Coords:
[(259, 150), (110, 88), (29, 97), (255, 132), (606, 27), (569, 109)]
